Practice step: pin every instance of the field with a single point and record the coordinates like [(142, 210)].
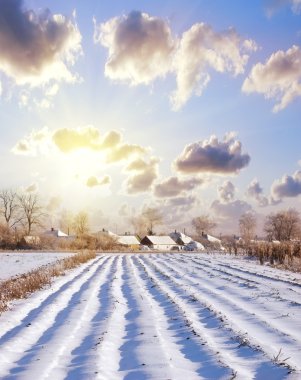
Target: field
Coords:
[(157, 316), (13, 264)]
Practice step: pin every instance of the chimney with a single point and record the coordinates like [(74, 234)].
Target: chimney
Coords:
[(52, 229)]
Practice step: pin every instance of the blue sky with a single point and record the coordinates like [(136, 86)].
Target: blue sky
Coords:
[(113, 107)]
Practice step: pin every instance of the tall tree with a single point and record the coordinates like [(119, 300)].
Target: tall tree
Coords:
[(203, 224), (284, 225), (247, 226), (152, 217), (32, 213), (9, 207), (81, 223), (66, 221)]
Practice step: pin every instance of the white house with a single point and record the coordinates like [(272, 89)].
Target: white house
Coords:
[(180, 238), (161, 243), (55, 233), (129, 240)]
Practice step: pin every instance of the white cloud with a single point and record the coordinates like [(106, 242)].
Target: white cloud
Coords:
[(200, 50), (94, 181), (279, 78), (140, 47), (143, 175), (226, 192), (213, 156), (174, 186), (287, 186), (231, 210), (37, 142)]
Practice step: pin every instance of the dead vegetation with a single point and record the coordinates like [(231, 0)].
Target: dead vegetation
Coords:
[(21, 286)]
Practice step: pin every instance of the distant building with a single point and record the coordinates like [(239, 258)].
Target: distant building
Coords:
[(161, 243), (55, 233), (180, 238), (130, 241)]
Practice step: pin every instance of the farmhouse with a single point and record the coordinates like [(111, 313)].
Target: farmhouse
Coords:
[(162, 243), (130, 241), (180, 238), (55, 233)]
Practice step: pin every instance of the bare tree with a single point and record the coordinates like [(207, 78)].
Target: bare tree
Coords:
[(9, 207), (32, 213), (203, 224), (145, 222), (81, 223), (247, 226), (284, 225), (66, 221), (152, 217)]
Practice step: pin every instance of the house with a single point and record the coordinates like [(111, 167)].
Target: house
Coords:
[(186, 242), (55, 233), (211, 241), (180, 238), (161, 243), (130, 241)]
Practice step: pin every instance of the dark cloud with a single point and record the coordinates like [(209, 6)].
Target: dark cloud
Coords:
[(173, 186), (213, 156), (31, 43), (287, 186)]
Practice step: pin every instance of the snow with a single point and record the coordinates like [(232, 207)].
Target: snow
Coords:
[(152, 316), (13, 264)]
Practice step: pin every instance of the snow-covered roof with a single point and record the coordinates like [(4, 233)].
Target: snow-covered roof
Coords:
[(56, 233), (128, 240), (196, 245), (164, 240), (212, 239), (179, 235)]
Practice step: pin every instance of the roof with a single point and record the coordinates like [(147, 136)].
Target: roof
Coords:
[(128, 240), (212, 238), (163, 240), (179, 235), (56, 233)]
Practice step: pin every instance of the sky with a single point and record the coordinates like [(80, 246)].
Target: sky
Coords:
[(189, 107)]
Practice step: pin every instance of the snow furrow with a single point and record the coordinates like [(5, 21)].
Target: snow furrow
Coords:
[(26, 311), (274, 314), (108, 352), (73, 327), (245, 362), (12, 348), (166, 334)]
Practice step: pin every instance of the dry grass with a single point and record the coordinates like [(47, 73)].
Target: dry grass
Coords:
[(25, 284)]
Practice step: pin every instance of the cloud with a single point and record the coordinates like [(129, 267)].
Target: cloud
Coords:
[(68, 140), (37, 142), (173, 186), (230, 210), (139, 46), (33, 188), (94, 181), (213, 156), (255, 191), (36, 48), (125, 152), (200, 50), (54, 204), (274, 5), (144, 174), (287, 186), (279, 78), (226, 192)]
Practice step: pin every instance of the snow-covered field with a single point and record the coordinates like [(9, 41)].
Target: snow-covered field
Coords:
[(151, 316), (13, 264)]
